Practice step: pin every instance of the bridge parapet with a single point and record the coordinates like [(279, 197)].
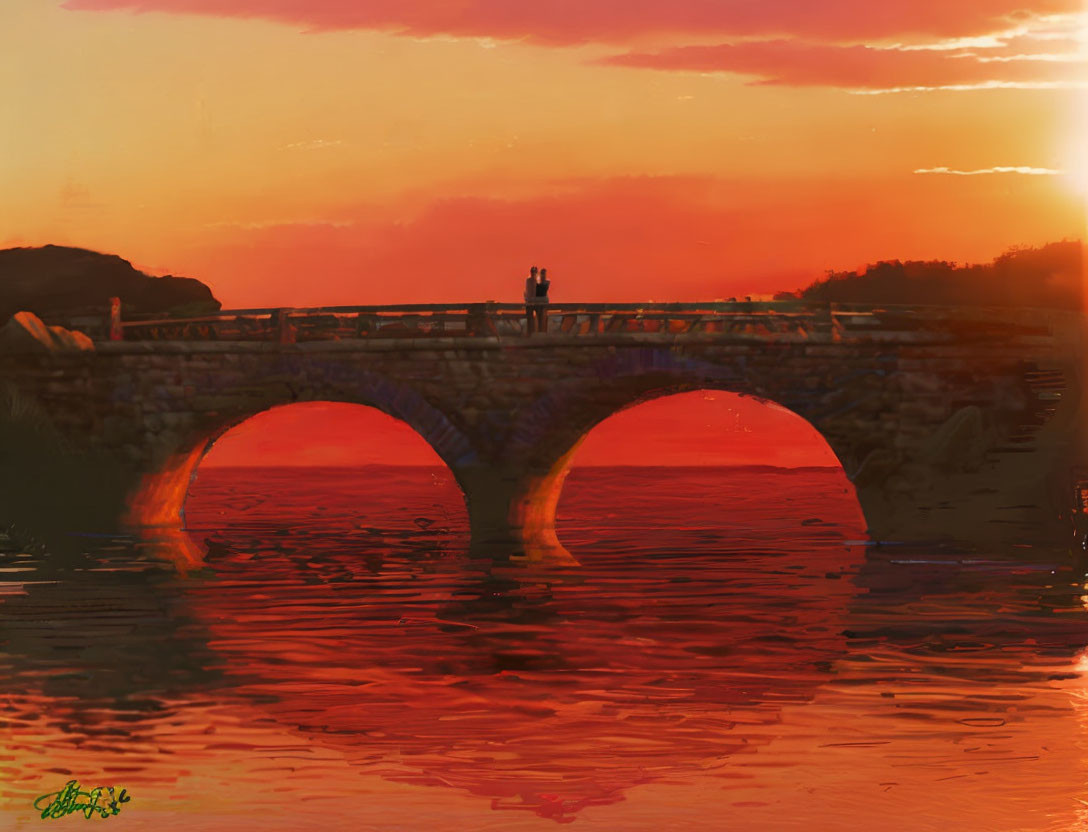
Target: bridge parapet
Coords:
[(783, 321)]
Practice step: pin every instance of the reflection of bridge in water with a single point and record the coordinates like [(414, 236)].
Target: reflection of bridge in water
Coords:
[(545, 690), (948, 420)]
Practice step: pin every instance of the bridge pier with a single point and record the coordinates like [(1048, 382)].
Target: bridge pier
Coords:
[(156, 499), (511, 509)]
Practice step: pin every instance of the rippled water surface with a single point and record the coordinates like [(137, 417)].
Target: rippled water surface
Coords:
[(727, 652)]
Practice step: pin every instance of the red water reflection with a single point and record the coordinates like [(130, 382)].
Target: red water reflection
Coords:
[(546, 691), (340, 661), (698, 607)]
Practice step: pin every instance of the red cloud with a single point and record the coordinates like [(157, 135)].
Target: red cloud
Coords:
[(797, 63), (580, 21), (624, 240)]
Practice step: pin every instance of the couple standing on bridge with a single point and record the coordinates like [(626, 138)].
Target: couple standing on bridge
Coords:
[(536, 301)]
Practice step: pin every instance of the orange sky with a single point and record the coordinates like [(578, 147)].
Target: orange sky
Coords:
[(301, 152), (326, 151)]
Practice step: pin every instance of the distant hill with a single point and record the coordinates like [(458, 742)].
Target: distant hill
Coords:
[(1049, 276), (57, 280)]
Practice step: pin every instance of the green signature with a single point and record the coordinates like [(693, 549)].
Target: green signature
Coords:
[(68, 800)]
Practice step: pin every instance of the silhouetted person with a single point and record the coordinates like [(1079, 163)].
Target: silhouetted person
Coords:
[(540, 309), (530, 299)]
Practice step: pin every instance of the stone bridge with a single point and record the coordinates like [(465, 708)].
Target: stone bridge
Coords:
[(948, 421)]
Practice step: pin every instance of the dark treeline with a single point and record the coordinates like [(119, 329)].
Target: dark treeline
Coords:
[(1049, 276)]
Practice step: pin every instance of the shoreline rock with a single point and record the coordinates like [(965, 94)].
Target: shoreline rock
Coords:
[(25, 332)]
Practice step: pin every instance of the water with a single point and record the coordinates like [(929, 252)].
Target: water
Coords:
[(729, 653)]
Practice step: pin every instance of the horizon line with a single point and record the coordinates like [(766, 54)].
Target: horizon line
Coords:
[(443, 465)]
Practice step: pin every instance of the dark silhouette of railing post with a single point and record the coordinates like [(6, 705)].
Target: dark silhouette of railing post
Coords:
[(480, 319), (823, 322), (284, 333), (114, 330)]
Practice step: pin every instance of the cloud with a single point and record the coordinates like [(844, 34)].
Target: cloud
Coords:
[(258, 225), (860, 67), (1071, 84), (560, 22), (629, 239), (1022, 169), (314, 144)]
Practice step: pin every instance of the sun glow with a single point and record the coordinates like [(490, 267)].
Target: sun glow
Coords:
[(1077, 174), (1077, 164), (1075, 167)]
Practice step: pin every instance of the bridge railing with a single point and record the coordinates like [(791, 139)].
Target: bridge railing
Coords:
[(783, 320), (461, 320)]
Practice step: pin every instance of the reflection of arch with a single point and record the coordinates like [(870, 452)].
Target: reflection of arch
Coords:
[(577, 705), (549, 432), (159, 496)]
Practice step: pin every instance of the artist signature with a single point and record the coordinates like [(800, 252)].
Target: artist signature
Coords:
[(68, 800)]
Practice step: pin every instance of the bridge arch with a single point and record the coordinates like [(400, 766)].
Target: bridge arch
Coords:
[(156, 499), (548, 432)]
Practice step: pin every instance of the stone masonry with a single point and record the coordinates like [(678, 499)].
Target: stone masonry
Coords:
[(966, 424)]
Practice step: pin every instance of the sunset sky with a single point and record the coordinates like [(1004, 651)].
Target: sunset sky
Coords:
[(303, 152)]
